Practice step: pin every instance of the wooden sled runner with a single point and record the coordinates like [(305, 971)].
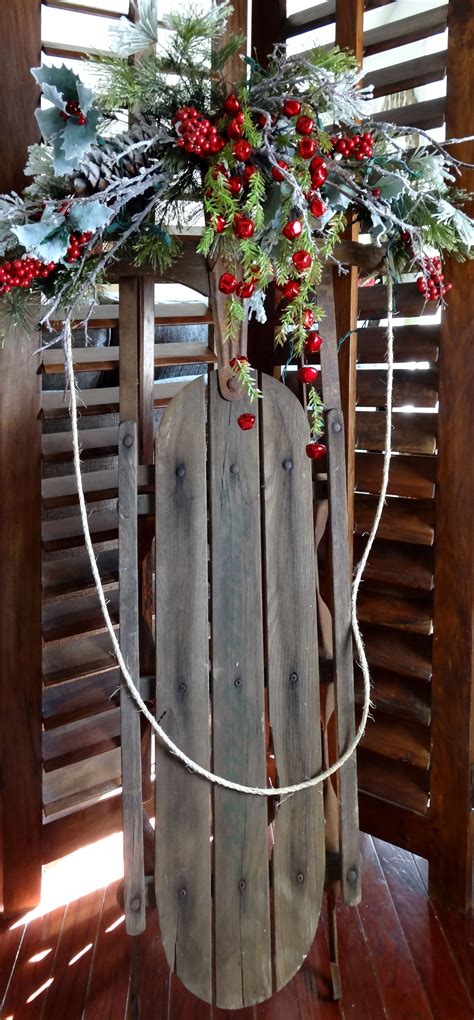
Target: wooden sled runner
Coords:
[(239, 878)]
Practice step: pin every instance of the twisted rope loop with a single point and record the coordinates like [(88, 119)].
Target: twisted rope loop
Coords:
[(281, 791)]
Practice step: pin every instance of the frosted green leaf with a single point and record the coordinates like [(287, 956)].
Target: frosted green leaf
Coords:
[(48, 239), (88, 215), (49, 121), (62, 78), (78, 138)]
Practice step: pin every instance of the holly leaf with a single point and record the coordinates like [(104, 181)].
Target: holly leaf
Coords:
[(88, 215), (85, 97), (337, 199), (62, 78), (48, 239), (391, 186), (78, 138), (61, 164), (50, 92), (49, 121)]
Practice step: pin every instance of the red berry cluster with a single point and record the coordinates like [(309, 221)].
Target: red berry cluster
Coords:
[(22, 272), (73, 110), (196, 134), (432, 285), (358, 146), (76, 243)]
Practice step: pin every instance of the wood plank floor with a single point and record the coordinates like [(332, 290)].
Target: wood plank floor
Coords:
[(402, 958)]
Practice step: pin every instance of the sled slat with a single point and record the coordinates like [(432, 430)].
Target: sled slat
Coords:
[(298, 856), (183, 848), (241, 872)]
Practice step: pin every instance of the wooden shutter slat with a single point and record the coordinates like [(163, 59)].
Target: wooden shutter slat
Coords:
[(398, 695), (183, 830), (97, 485), (67, 532), (394, 782), (411, 433), (81, 739), (405, 30), (73, 574), (398, 563), (92, 695), (414, 615), (411, 343), (79, 658), (402, 520), (241, 886), (398, 740), (98, 442), (407, 75), (103, 359), (396, 652), (62, 620), (409, 301), (426, 115), (412, 477), (418, 388), (106, 400), (298, 856)]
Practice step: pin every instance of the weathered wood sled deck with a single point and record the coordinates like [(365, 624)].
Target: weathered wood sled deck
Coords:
[(239, 878)]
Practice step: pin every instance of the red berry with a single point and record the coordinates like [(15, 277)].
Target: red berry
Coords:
[(376, 192), (234, 129), (232, 104), (307, 374), (318, 176), (421, 284), (293, 229), (291, 107), (276, 174), (245, 290), (317, 207), (240, 359), (17, 264), (315, 450), (318, 163), (290, 289), (219, 224), (243, 227), (235, 185), (307, 148), (304, 125), (248, 172), (301, 260), (242, 150), (246, 421), (227, 283), (81, 120), (308, 318), (313, 343)]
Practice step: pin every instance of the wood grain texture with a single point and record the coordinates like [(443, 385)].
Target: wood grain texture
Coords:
[(298, 855), (391, 783), (183, 849), (413, 477), (418, 388), (411, 433), (398, 563), (134, 888), (409, 74), (410, 343), (451, 875), (20, 681), (403, 520), (241, 875)]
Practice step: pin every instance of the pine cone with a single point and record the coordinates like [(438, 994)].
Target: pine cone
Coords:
[(101, 165)]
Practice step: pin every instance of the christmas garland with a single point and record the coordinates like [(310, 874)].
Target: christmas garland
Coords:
[(280, 162)]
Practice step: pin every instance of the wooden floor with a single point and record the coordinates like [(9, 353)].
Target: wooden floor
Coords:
[(402, 958)]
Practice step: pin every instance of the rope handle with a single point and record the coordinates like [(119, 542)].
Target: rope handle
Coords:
[(281, 791)]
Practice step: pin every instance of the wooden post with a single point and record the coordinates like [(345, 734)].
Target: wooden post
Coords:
[(20, 521), (349, 33), (137, 373), (452, 683)]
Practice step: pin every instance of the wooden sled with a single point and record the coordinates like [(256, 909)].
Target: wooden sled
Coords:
[(239, 879)]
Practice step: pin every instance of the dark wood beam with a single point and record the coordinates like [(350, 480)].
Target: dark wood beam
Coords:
[(20, 516), (452, 683), (349, 34)]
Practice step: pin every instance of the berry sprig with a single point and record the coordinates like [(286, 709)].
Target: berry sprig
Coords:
[(431, 284), (73, 110), (77, 242), (196, 134), (241, 367), (356, 146), (22, 272), (315, 449)]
